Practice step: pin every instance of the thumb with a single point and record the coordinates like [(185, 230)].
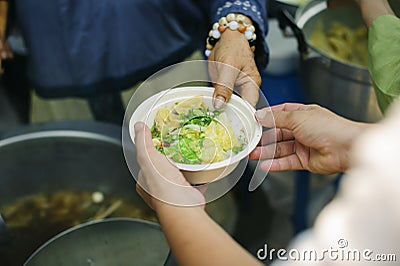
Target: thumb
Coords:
[(276, 118), (249, 88), (224, 84), (143, 140)]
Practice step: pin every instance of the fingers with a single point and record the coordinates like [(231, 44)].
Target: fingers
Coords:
[(144, 145), (271, 151), (228, 71), (264, 118), (290, 107), (276, 135), (142, 137), (249, 82), (249, 91), (288, 163), (158, 180), (224, 83), (151, 161), (279, 118), (266, 152), (287, 115), (222, 94)]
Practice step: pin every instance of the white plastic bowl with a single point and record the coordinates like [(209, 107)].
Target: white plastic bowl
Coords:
[(239, 112)]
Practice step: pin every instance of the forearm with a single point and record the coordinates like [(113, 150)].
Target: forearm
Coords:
[(195, 239), (371, 9)]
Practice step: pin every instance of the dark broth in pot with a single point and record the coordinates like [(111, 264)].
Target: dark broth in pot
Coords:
[(34, 219)]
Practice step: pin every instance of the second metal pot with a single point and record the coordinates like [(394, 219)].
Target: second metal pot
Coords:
[(342, 87)]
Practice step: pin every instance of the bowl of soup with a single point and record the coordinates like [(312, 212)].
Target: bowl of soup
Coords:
[(204, 143)]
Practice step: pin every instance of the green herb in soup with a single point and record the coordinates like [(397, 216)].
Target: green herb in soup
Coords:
[(189, 132)]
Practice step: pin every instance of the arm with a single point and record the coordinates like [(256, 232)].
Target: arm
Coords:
[(370, 184), (194, 237), (383, 51), (307, 137), (233, 49), (372, 9), (238, 68), (383, 48)]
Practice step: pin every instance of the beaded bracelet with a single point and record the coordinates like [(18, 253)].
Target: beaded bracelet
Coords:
[(232, 22)]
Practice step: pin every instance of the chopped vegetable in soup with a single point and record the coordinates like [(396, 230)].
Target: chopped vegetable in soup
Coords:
[(189, 132)]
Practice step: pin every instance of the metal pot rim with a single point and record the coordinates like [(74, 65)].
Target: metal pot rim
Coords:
[(90, 223), (57, 134)]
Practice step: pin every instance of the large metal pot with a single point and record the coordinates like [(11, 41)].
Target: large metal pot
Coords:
[(71, 156), (116, 241), (342, 87)]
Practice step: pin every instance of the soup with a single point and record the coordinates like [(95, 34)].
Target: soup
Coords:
[(189, 132), (342, 42), (34, 219)]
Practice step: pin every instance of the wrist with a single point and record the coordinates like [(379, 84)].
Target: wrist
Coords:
[(166, 210), (355, 129), (233, 37), (224, 26), (192, 200)]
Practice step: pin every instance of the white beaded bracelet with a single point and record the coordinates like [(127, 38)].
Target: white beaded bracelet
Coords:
[(232, 22)]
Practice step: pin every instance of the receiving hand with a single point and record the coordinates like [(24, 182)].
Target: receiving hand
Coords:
[(307, 137), (241, 71), (159, 181)]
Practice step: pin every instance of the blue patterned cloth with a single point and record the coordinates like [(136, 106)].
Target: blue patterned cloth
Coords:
[(79, 47)]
